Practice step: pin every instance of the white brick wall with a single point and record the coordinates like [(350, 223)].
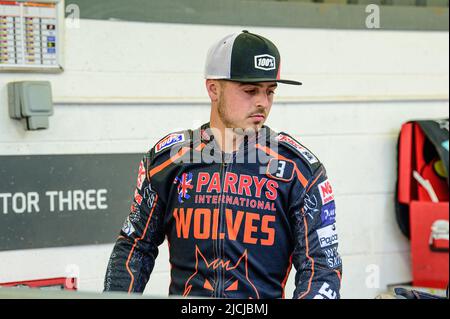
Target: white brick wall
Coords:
[(122, 95)]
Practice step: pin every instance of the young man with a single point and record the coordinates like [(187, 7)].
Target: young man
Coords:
[(238, 202)]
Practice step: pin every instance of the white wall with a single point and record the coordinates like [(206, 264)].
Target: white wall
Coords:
[(126, 85)]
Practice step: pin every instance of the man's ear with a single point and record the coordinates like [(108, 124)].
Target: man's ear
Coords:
[(214, 89)]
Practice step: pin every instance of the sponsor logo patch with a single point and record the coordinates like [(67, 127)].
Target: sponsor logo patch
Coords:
[(184, 185), (327, 236), (326, 192), (326, 292), (128, 228), (333, 258), (282, 170), (265, 62), (150, 195), (168, 141), (328, 214), (141, 175), (134, 213), (303, 151), (310, 205), (137, 197)]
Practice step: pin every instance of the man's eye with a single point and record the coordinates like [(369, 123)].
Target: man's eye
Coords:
[(252, 92), (271, 92)]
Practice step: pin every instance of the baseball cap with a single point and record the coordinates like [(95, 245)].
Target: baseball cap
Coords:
[(244, 57)]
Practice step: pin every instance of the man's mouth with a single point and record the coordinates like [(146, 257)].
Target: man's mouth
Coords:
[(258, 116)]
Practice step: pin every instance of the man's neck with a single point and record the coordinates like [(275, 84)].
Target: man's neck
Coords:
[(226, 138)]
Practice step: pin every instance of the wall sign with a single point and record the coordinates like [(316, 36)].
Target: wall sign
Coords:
[(62, 200)]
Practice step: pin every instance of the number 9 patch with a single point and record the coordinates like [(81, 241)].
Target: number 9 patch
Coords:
[(282, 170)]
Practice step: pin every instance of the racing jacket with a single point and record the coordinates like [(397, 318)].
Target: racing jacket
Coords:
[(235, 223)]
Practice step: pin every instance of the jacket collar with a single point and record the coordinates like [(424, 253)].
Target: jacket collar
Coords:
[(205, 135)]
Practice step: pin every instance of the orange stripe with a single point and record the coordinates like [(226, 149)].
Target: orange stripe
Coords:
[(271, 152), (135, 243), (338, 274), (307, 256), (283, 284), (187, 290), (162, 166), (315, 180), (200, 147)]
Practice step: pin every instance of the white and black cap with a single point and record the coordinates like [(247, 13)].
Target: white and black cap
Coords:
[(245, 57)]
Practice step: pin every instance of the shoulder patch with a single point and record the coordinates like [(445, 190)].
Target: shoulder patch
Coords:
[(169, 141), (297, 147)]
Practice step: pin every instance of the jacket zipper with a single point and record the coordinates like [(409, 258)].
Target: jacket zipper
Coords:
[(220, 273)]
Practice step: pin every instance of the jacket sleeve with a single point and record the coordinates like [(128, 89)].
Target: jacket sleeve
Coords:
[(133, 257), (315, 256)]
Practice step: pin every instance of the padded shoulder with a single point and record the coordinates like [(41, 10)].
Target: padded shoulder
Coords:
[(298, 150)]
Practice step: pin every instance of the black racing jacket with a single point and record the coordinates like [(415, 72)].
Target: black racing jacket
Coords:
[(235, 223)]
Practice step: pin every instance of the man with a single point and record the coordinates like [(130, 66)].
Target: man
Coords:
[(238, 203)]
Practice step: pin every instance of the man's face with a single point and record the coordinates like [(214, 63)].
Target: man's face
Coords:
[(245, 105)]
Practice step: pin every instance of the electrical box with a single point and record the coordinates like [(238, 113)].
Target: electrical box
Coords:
[(31, 100), (31, 34)]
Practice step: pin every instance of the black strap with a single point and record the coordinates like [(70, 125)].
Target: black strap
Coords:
[(437, 133)]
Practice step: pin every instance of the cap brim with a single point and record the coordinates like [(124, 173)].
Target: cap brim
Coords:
[(292, 82), (256, 80)]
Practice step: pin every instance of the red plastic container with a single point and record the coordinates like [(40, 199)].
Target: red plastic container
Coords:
[(429, 245)]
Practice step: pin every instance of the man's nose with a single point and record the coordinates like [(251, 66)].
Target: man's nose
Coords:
[(263, 100)]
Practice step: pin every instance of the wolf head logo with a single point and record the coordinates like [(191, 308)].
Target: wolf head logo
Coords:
[(203, 280)]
